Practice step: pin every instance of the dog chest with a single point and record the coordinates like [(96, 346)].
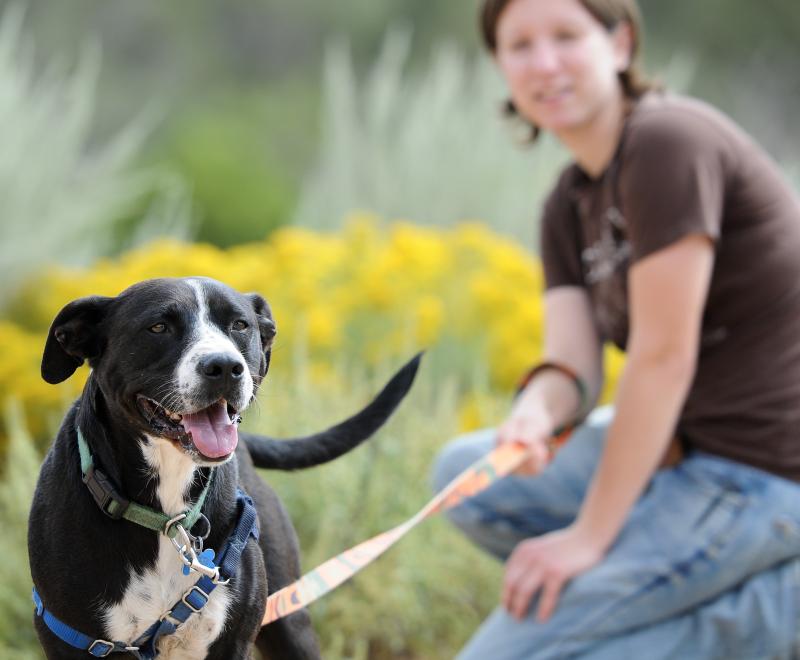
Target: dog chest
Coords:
[(153, 592)]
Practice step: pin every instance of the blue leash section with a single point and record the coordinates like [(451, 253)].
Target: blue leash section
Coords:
[(192, 602)]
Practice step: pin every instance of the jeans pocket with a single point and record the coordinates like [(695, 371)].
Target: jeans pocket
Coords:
[(684, 566), (690, 519), (719, 521)]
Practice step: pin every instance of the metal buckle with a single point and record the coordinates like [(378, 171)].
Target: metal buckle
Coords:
[(168, 615), (109, 645), (171, 522), (189, 605), (197, 539)]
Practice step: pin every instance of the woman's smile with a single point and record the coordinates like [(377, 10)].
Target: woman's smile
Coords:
[(561, 64)]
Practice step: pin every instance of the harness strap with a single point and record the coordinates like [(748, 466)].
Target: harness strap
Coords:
[(116, 506), (192, 602), (99, 648), (196, 598), (245, 528)]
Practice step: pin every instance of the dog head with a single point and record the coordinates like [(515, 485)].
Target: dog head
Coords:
[(176, 359)]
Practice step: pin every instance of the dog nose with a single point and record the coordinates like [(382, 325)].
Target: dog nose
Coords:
[(220, 367)]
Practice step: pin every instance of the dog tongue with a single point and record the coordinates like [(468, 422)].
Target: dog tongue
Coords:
[(213, 432)]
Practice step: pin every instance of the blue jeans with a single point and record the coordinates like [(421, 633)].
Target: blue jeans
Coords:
[(707, 566)]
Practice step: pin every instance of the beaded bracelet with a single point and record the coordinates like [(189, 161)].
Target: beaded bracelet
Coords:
[(580, 385)]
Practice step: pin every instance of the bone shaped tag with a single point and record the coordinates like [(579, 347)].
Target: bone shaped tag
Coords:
[(206, 558)]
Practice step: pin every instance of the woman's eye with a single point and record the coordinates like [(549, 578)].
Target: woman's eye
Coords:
[(240, 325), (566, 36), (158, 328)]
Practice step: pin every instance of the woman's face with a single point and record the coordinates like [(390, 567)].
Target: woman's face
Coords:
[(561, 64)]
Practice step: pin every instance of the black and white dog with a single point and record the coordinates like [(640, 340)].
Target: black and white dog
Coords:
[(174, 364)]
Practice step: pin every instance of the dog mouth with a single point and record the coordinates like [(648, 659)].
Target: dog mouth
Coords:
[(211, 432)]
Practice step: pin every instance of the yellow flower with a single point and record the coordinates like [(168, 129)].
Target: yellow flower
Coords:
[(614, 361), (370, 293), (430, 317), (324, 331)]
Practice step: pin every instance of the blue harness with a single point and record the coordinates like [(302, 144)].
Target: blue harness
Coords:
[(192, 602)]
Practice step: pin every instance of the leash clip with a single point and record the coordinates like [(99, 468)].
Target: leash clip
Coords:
[(189, 557), (195, 539)]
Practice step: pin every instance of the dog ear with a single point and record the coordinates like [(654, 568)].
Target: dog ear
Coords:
[(266, 328), (74, 337)]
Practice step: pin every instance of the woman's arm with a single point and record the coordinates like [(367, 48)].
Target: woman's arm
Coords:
[(667, 297), (667, 294), (551, 399)]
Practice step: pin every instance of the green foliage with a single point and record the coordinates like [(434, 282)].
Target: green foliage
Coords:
[(17, 639), (429, 146), (62, 193), (241, 161), (426, 595)]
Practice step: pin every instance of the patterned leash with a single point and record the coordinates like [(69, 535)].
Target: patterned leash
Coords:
[(335, 571)]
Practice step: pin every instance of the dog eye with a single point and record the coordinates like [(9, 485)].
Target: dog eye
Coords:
[(240, 325), (158, 328)]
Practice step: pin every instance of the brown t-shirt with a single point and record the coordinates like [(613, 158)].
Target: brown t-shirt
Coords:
[(683, 168)]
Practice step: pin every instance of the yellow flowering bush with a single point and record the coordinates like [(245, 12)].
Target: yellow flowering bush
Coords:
[(20, 356), (367, 294)]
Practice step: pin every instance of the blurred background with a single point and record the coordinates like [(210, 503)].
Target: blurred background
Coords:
[(348, 161)]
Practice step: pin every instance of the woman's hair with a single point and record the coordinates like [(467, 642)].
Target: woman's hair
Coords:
[(609, 13)]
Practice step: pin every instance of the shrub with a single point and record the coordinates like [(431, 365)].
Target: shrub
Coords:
[(347, 305), (63, 193), (364, 296), (429, 146), (244, 181)]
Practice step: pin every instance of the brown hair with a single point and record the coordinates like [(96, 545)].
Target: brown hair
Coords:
[(610, 14)]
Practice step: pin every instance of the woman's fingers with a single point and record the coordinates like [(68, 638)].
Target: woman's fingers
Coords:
[(527, 574), (525, 432), (522, 580), (530, 571), (543, 565), (520, 594), (551, 590)]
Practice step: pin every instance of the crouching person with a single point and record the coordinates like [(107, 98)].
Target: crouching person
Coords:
[(668, 526)]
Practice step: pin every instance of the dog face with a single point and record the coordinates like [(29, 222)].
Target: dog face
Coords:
[(176, 359)]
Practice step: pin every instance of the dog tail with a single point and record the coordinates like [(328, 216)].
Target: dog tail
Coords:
[(298, 453)]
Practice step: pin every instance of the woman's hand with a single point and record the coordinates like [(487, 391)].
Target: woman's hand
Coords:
[(529, 424), (546, 563)]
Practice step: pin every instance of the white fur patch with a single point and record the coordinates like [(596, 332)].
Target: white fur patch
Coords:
[(151, 593), (207, 339), (174, 469)]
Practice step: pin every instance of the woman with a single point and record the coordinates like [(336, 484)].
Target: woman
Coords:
[(671, 528)]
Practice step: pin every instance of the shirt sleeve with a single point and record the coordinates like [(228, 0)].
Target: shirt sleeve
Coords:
[(672, 181), (559, 240)]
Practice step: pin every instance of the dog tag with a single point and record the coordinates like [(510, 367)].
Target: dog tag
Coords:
[(206, 558)]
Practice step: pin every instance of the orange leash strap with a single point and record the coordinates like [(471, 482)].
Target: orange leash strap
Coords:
[(330, 574)]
